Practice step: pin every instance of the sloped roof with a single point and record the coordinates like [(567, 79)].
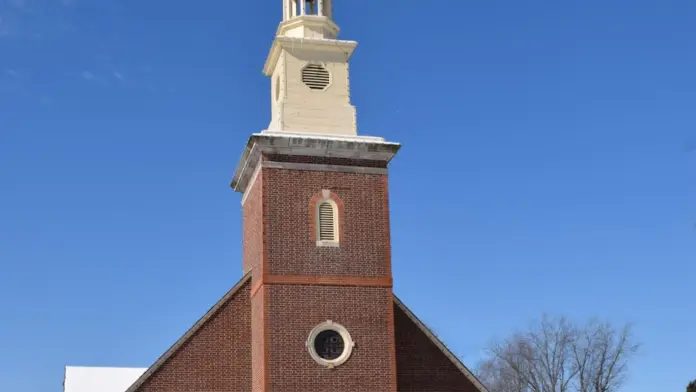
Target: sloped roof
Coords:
[(175, 347), (439, 344), (91, 379), (99, 379)]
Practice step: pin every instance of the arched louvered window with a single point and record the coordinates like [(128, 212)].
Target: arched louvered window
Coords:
[(327, 222)]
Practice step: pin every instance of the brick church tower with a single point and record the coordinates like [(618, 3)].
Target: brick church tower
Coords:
[(316, 222), (314, 310)]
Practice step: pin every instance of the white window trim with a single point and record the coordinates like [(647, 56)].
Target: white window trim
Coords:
[(334, 207), (347, 342)]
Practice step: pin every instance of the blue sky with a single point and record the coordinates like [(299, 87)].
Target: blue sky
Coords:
[(548, 165)]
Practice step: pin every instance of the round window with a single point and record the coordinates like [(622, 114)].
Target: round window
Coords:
[(330, 344)]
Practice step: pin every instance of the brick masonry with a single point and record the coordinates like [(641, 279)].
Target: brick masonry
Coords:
[(421, 365), (252, 230), (219, 356), (257, 340), (326, 160), (295, 310), (216, 358), (291, 249)]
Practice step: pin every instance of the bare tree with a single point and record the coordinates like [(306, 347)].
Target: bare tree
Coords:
[(691, 387), (556, 355), (499, 375), (600, 355)]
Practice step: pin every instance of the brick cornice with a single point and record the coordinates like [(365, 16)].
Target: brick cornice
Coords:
[(356, 281), (322, 167), (316, 145), (328, 280)]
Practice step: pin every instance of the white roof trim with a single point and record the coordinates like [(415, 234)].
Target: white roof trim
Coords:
[(292, 143), (288, 43), (437, 342), (324, 136)]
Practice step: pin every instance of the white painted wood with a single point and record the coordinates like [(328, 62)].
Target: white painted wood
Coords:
[(100, 379)]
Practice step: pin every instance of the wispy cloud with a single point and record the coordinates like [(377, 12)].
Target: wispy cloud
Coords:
[(16, 84), (118, 75), (12, 73), (97, 78)]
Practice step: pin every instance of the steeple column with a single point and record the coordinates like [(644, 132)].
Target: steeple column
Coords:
[(298, 8)]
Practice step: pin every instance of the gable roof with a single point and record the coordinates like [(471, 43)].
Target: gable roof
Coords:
[(439, 344), (192, 331), (145, 374), (99, 379)]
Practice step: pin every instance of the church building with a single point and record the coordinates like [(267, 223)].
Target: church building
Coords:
[(314, 309)]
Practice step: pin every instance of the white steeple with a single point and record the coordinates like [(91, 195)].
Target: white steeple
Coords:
[(308, 18), (294, 8), (308, 66)]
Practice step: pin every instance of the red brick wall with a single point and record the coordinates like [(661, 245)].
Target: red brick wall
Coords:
[(252, 227), (258, 341), (216, 358), (283, 314), (295, 309), (326, 160), (421, 365), (364, 237)]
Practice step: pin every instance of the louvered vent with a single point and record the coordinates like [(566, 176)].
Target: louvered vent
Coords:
[(315, 77), (326, 222)]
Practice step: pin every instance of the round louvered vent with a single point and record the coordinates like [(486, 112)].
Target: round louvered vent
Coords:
[(315, 77)]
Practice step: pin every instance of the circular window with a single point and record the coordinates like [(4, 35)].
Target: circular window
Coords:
[(330, 344), (316, 77)]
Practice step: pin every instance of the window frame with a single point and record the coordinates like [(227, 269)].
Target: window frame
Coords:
[(348, 344), (317, 218)]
